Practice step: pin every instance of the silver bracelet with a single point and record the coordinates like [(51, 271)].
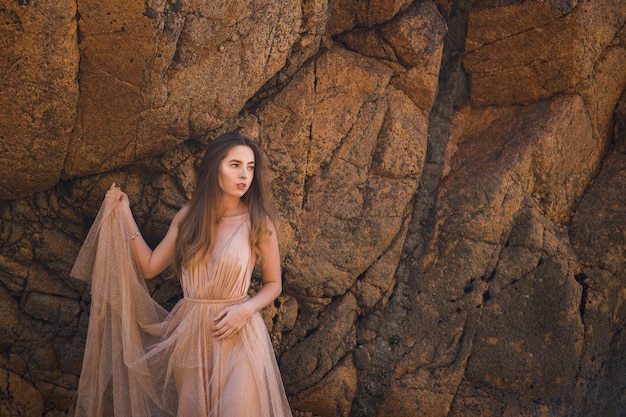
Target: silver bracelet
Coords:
[(134, 236)]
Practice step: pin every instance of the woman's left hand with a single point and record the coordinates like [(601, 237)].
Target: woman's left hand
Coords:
[(230, 320)]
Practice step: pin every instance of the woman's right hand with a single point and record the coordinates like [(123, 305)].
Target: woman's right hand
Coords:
[(119, 195), (123, 199)]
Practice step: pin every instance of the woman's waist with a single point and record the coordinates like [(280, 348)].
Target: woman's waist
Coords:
[(215, 299)]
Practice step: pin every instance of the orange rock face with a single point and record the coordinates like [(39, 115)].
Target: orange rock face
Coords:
[(450, 179), (39, 69)]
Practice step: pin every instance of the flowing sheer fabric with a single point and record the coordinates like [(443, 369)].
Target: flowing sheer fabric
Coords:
[(141, 360)]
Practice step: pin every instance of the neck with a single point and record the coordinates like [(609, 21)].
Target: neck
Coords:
[(232, 206)]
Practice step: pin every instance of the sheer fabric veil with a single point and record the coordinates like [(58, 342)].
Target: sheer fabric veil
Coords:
[(120, 306)]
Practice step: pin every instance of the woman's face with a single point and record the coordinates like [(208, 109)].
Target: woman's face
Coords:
[(236, 171)]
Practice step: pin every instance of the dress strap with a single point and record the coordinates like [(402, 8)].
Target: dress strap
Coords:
[(207, 301)]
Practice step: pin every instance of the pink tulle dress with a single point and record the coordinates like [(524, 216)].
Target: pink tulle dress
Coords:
[(141, 360)]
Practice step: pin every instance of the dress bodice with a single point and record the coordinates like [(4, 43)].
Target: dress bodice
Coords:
[(227, 270)]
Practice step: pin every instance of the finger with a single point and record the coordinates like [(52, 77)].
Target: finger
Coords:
[(219, 316), (220, 333), (220, 327), (224, 335), (217, 333)]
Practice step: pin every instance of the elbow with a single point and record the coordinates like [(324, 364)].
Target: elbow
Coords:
[(147, 273), (151, 270), (273, 288), (150, 275)]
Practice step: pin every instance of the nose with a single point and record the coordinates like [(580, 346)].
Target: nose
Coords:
[(243, 173)]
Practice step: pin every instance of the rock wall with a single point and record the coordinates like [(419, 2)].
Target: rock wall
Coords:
[(450, 176)]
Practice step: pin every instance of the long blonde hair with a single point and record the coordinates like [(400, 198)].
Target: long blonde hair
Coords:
[(196, 230)]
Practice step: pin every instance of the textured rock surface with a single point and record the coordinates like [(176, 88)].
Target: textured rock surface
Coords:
[(38, 80), (154, 74), (450, 176), (520, 52)]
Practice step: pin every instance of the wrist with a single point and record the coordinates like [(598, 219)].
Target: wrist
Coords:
[(249, 308)]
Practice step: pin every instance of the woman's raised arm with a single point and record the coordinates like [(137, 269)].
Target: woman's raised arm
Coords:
[(151, 262)]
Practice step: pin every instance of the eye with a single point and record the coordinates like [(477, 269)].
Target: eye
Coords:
[(250, 167)]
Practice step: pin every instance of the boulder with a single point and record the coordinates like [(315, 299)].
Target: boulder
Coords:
[(38, 80), (154, 75), (26, 400), (520, 52)]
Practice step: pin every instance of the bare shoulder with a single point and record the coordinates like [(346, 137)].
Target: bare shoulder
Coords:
[(269, 226)]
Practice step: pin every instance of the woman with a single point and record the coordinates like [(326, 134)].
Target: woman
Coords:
[(211, 356)]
